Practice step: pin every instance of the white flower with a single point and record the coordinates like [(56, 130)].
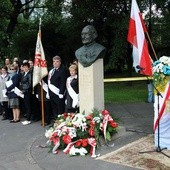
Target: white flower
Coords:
[(158, 68), (77, 120), (82, 151), (49, 132), (96, 119), (72, 150), (61, 120), (72, 132), (164, 59), (84, 119), (84, 126)]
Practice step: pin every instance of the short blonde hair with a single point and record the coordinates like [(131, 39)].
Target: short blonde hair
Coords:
[(73, 66)]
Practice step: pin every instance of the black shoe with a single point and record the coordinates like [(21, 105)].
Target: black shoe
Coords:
[(12, 121)]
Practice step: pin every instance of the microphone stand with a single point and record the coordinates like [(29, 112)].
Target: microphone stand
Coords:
[(158, 149)]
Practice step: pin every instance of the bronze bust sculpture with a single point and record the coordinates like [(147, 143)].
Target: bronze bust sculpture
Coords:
[(90, 51)]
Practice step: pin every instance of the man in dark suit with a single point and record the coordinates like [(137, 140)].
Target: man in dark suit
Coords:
[(57, 86)]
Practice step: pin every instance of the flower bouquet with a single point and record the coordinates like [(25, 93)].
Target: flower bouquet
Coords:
[(161, 72), (78, 134)]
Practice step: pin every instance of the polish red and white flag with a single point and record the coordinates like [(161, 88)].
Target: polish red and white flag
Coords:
[(136, 36)]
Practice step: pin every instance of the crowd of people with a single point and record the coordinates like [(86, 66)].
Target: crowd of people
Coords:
[(18, 99)]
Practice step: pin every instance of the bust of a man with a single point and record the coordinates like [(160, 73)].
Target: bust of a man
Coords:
[(90, 51)]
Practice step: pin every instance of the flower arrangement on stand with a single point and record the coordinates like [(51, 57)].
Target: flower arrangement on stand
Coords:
[(161, 72), (78, 133)]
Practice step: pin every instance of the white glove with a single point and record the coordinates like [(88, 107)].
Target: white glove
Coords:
[(47, 96), (37, 96), (60, 96)]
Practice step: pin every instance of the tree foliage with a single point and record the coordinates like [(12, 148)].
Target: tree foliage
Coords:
[(62, 24)]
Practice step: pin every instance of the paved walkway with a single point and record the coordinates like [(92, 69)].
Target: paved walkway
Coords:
[(19, 144)]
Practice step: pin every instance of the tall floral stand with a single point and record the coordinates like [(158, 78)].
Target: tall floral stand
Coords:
[(164, 118)]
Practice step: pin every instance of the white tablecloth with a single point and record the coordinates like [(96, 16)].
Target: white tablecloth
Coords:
[(164, 123)]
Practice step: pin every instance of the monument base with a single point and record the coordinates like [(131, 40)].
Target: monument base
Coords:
[(91, 87)]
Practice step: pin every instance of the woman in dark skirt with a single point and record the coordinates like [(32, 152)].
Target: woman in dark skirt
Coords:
[(13, 98)]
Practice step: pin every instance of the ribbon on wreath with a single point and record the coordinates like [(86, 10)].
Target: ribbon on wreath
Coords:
[(91, 142), (56, 142), (107, 119)]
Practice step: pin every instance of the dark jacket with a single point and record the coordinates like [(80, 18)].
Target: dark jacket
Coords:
[(26, 83), (58, 79), (16, 80)]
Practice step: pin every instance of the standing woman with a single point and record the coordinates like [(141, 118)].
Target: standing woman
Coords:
[(13, 98), (72, 91), (26, 88), (4, 77)]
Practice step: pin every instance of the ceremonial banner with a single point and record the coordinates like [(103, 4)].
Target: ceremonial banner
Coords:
[(40, 65), (136, 37), (162, 119)]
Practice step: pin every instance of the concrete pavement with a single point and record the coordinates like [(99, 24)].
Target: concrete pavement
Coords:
[(19, 144)]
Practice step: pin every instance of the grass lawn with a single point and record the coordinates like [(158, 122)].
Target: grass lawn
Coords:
[(125, 92)]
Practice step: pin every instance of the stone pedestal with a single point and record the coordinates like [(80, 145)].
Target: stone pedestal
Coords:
[(91, 87)]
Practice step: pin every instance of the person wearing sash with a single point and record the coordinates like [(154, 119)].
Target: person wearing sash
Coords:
[(72, 91), (57, 86)]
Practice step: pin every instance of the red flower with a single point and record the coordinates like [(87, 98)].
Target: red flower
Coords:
[(113, 124), (89, 117), (91, 131), (84, 142), (55, 140), (92, 123), (78, 143), (65, 115), (105, 112), (66, 139)]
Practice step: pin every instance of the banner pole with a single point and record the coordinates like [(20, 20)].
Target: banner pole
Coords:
[(151, 45), (42, 94), (42, 104)]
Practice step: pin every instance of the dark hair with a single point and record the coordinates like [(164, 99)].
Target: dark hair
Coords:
[(26, 64), (57, 58), (5, 67)]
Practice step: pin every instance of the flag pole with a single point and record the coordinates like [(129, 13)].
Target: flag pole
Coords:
[(151, 45), (42, 94)]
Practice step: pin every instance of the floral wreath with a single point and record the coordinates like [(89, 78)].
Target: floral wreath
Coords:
[(78, 134)]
